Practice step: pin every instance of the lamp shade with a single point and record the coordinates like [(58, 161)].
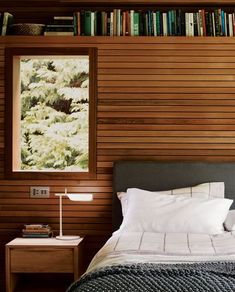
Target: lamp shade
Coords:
[(80, 197)]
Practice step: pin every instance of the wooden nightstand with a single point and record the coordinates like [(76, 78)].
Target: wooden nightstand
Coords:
[(42, 255)]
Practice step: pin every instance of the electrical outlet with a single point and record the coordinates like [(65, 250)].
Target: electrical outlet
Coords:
[(39, 192)]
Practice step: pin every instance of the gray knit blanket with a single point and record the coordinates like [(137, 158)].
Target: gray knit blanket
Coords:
[(197, 277)]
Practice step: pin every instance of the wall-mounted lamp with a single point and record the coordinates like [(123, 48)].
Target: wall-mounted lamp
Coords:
[(72, 197)]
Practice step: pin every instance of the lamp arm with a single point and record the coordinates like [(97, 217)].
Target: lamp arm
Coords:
[(61, 231)]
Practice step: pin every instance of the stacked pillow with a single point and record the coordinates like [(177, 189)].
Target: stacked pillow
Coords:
[(199, 209), (205, 190)]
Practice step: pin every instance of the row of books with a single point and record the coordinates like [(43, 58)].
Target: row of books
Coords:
[(37, 231), (154, 23)]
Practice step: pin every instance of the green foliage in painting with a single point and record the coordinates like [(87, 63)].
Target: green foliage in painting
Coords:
[(54, 113)]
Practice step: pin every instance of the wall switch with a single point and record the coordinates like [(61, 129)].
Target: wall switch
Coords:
[(39, 192)]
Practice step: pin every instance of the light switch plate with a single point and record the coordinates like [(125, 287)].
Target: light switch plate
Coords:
[(39, 192)]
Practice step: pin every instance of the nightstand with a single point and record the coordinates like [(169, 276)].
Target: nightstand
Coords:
[(42, 255)]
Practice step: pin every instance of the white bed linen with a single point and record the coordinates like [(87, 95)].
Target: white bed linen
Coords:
[(140, 247)]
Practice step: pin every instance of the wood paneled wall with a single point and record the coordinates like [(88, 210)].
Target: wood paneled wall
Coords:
[(158, 99)]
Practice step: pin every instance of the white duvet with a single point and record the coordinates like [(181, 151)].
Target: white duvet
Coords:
[(140, 247)]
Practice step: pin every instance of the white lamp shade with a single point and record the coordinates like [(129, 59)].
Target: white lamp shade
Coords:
[(80, 197)]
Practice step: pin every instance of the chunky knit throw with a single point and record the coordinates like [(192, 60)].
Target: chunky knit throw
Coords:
[(197, 277)]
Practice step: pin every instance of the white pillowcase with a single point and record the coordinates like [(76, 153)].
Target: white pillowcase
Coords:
[(229, 223), (205, 190), (163, 213)]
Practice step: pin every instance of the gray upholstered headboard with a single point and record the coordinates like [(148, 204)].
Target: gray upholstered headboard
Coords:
[(155, 176)]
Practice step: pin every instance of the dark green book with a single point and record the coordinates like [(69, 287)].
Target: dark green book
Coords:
[(75, 23), (136, 23), (158, 21), (87, 23)]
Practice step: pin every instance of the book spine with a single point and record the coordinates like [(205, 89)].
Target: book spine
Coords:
[(63, 18), (136, 23), (132, 22), (158, 22), (35, 226), (115, 22), (222, 23), (174, 23), (92, 24), (225, 24), (36, 235), (217, 23), (154, 24), (118, 22), (78, 23), (169, 21), (233, 23), (230, 24), (204, 22), (111, 24), (7, 20), (186, 23), (82, 24), (128, 29), (195, 24), (180, 31), (213, 23), (150, 22), (141, 23), (75, 23), (207, 23), (146, 27), (87, 23), (98, 23), (165, 29), (105, 15)]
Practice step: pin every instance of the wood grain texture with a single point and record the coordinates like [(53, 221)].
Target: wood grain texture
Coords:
[(158, 99)]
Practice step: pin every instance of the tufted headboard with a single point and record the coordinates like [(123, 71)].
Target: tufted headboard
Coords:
[(153, 176)]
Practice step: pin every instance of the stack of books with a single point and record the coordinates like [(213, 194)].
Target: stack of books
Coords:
[(61, 25), (37, 230)]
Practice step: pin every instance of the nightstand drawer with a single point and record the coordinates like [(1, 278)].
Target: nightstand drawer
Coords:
[(42, 260)]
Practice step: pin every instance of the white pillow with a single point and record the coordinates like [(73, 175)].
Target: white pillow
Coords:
[(164, 213), (229, 223), (205, 190)]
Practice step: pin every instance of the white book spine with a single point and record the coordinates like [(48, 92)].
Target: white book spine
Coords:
[(154, 24), (230, 20), (92, 23), (111, 23), (191, 25), (213, 23), (132, 21), (186, 23), (164, 17)]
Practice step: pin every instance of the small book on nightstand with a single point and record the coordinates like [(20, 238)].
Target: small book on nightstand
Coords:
[(37, 231)]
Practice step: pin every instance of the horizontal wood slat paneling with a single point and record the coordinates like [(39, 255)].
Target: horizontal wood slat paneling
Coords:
[(158, 99)]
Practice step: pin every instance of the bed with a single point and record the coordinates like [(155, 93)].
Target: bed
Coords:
[(146, 260)]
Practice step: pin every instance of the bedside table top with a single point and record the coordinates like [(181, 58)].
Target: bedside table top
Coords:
[(44, 242)]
